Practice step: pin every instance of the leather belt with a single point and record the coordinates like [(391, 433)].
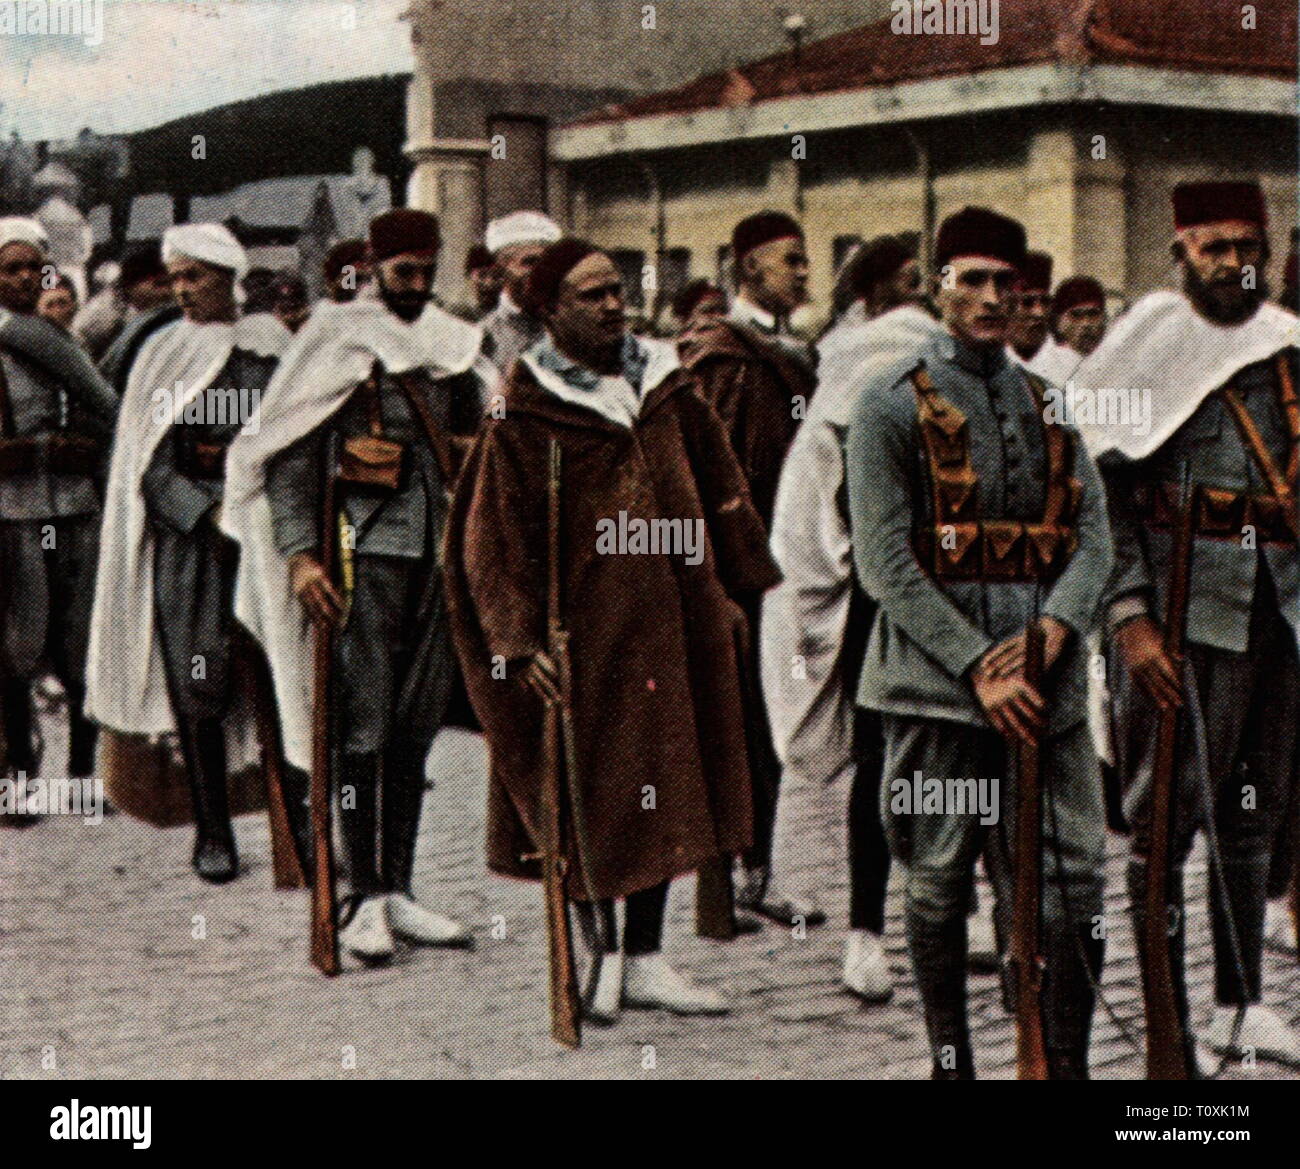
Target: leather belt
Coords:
[(995, 550), (1223, 515)]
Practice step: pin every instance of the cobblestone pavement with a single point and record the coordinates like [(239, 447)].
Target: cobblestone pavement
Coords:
[(101, 974)]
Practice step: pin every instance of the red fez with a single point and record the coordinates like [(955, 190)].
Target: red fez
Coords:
[(762, 229), (1076, 291), (341, 255), (878, 260), (690, 297), (403, 231), (553, 265), (479, 257), (977, 231), (1036, 272), (1199, 203)]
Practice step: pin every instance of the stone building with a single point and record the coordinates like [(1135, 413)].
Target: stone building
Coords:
[(509, 70), (1079, 120)]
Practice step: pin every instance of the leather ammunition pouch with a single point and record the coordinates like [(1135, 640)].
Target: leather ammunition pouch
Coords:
[(1222, 515), (202, 460), (961, 546), (67, 454), (370, 462)]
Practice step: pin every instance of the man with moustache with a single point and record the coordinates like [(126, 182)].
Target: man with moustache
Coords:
[(56, 419), (661, 783), (346, 269), (394, 382), (973, 514), (515, 241), (760, 377), (165, 651), (815, 622), (1078, 322), (1220, 363), (1031, 305)]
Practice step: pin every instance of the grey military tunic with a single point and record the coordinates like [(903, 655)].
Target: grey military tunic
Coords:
[(49, 532), (194, 563), (395, 664), (928, 633)]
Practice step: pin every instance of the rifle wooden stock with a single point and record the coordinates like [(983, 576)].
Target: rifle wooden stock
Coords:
[(1166, 1043), (324, 930), (1024, 956), (559, 777)]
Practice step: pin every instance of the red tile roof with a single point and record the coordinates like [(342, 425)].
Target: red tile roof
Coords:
[(1197, 35)]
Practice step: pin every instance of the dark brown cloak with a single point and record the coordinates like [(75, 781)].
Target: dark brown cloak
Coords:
[(754, 386), (656, 647)]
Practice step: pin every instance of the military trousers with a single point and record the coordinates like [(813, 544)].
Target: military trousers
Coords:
[(939, 846)]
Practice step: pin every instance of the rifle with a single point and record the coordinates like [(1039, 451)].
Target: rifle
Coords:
[(559, 772), (1024, 954), (1166, 1043), (324, 932)]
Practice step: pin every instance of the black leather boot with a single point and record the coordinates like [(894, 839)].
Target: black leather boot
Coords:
[(358, 797), (403, 797), (296, 785), (1074, 963), (81, 735), (203, 742), (17, 703), (938, 952)]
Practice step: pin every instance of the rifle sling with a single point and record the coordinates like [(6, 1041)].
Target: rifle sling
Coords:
[(1259, 451), (439, 441)]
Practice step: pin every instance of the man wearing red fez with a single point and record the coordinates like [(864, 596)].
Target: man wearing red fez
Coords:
[(1208, 374), (698, 302), (974, 513), (1078, 321), (366, 409), (759, 377), (817, 617), (1031, 304), (657, 542)]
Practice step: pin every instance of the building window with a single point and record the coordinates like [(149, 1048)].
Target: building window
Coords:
[(631, 270)]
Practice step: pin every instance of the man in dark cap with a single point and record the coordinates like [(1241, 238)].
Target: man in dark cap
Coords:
[(375, 394), (486, 279), (699, 301), (661, 783), (973, 514), (1078, 323), (140, 290), (347, 269), (1218, 365), (1031, 303), (759, 377), (291, 308)]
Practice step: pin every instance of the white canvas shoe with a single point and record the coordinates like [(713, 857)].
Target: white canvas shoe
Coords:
[(650, 982), (367, 935), (1263, 1032), (981, 942), (1279, 927), (866, 969), (425, 927), (606, 997)]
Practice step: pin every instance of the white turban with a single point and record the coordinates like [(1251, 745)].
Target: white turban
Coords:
[(521, 227), (18, 229), (209, 242)]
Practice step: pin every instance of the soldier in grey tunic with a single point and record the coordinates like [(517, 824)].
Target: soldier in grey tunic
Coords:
[(972, 515), (394, 665), (1199, 355), (56, 418)]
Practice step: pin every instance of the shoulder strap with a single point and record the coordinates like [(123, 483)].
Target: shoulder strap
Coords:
[(372, 397), (1255, 444), (444, 450), (1057, 505), (1290, 412)]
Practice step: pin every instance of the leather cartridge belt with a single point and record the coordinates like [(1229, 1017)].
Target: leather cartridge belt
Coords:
[(69, 454), (202, 460), (1223, 515), (995, 550)]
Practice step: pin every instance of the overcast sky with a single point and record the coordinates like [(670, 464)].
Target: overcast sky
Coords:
[(163, 58)]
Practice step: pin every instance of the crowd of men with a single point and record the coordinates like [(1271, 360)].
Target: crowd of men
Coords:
[(742, 564)]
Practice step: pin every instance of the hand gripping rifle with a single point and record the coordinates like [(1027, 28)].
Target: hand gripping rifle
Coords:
[(324, 932), (1025, 956), (559, 778), (1166, 1043)]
